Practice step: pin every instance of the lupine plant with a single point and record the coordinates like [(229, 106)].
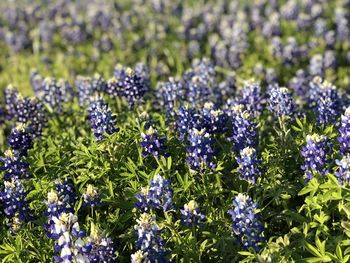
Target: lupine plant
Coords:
[(174, 131)]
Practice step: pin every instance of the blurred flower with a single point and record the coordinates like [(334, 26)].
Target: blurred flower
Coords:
[(252, 98), (325, 100), (281, 102), (344, 133)]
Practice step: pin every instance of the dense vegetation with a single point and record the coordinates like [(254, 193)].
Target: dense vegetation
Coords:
[(175, 131)]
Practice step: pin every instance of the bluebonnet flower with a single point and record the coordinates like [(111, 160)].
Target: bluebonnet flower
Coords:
[(281, 102), (152, 144), (329, 60), (249, 165), (316, 65), (299, 83), (252, 98), (98, 84), (114, 87), (343, 172), (246, 225), (54, 93), (68, 237), (142, 71), (192, 215), (85, 89), (213, 120), (168, 94), (10, 95), (15, 203), (325, 101), (140, 257), (158, 195), (101, 119), (197, 90), (66, 194), (91, 196), (119, 72), (14, 166), (225, 89), (200, 152), (61, 200), (187, 118), (20, 139), (344, 133), (26, 111), (243, 129), (134, 87), (149, 238), (98, 248), (198, 82), (315, 155)]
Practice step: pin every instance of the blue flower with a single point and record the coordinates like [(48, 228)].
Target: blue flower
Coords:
[(149, 238), (98, 247), (140, 257), (200, 152), (158, 195), (243, 129), (343, 172), (68, 237), (344, 133), (192, 215), (299, 83), (169, 93), (26, 111), (249, 165), (134, 87), (246, 225), (101, 119), (252, 99), (325, 101), (91, 197), (52, 92), (213, 120), (152, 144), (15, 204), (187, 118), (281, 102), (10, 95), (14, 166), (198, 82), (315, 154), (20, 139), (61, 200)]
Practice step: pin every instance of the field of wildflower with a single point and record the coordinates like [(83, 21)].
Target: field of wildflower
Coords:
[(151, 131)]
